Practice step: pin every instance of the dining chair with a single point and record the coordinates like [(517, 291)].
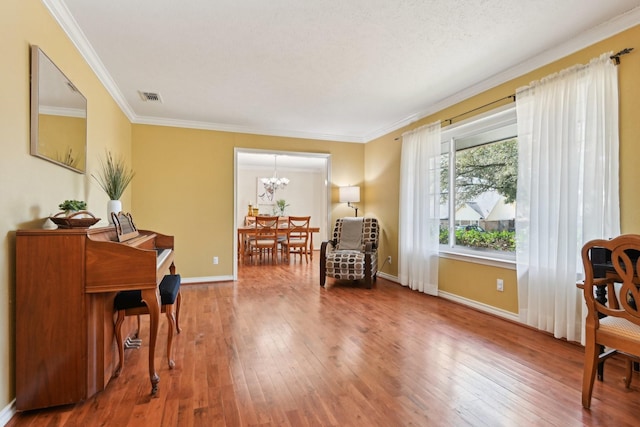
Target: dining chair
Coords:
[(297, 238), (264, 238), (613, 319), (249, 221)]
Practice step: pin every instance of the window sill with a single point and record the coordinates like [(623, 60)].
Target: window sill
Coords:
[(477, 257)]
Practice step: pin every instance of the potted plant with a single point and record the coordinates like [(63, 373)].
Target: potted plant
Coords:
[(114, 177), (281, 206), (73, 215), (69, 206)]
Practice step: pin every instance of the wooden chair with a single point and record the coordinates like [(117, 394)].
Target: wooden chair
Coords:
[(352, 254), (613, 319), (129, 303), (249, 221), (297, 241), (264, 239)]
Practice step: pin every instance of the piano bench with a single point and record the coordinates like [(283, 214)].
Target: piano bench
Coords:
[(129, 303)]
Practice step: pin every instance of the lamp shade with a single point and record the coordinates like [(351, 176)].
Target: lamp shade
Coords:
[(349, 194)]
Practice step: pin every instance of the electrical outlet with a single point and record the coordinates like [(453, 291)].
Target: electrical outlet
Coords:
[(215, 260), (389, 259), (500, 285)]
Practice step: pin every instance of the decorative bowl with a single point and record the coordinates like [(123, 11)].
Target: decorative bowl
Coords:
[(72, 221)]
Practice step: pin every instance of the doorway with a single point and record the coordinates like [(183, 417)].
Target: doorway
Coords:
[(306, 192)]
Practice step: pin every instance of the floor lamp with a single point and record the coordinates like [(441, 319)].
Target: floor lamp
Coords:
[(350, 194)]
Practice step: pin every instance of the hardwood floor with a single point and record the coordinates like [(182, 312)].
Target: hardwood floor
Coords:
[(275, 349)]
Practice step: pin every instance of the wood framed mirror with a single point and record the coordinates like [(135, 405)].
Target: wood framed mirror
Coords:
[(58, 115)]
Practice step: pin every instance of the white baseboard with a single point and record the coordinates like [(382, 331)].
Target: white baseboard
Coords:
[(481, 306), (465, 301), (7, 413), (388, 277), (206, 279)]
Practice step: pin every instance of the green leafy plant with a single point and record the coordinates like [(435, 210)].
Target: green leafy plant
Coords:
[(114, 177), (496, 240), (72, 205), (281, 206)]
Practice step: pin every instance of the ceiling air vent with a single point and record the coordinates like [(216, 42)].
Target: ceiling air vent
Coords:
[(150, 96)]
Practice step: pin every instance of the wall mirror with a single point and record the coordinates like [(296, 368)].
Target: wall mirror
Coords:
[(58, 115)]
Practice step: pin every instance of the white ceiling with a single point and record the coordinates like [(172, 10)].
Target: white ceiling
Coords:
[(347, 70)]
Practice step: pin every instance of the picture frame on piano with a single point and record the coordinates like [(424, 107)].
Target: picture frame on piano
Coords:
[(125, 228)]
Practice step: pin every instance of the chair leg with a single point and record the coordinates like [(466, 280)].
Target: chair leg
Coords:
[(323, 274), (589, 375), (367, 280), (367, 270), (171, 318), (178, 304), (323, 263), (600, 374), (629, 373), (119, 341), (137, 334)]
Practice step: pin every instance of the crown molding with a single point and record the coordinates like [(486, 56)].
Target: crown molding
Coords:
[(61, 13), (605, 30), (63, 16), (156, 121), (585, 39)]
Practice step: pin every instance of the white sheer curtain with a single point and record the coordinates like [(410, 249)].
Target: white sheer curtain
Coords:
[(420, 209), (567, 188)]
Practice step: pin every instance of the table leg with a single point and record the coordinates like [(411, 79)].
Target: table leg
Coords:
[(241, 247), (151, 298)]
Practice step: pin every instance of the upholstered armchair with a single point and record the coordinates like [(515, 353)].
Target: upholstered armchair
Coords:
[(352, 253)]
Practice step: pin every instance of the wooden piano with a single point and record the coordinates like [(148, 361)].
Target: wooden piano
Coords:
[(66, 281)]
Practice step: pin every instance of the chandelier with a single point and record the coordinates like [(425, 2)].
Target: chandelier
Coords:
[(274, 183)]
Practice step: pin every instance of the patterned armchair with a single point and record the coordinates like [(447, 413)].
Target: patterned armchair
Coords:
[(352, 254)]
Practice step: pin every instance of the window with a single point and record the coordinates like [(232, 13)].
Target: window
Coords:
[(478, 180)]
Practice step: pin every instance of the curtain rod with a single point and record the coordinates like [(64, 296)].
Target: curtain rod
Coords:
[(616, 57), (475, 109), (480, 108)]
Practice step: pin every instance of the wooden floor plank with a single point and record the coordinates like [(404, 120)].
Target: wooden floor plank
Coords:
[(276, 349)]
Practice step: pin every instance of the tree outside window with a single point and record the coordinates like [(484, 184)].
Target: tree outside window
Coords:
[(485, 194)]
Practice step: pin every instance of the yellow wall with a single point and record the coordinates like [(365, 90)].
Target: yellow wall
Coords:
[(472, 281), (184, 187), (62, 137), (32, 188), (184, 177)]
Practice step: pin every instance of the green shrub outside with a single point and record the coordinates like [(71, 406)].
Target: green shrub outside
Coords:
[(496, 240)]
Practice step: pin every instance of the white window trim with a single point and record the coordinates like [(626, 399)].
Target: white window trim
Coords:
[(496, 118), (459, 254)]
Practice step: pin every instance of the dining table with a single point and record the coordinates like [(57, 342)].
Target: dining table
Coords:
[(245, 230)]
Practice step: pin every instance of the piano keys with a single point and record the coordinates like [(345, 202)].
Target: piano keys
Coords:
[(66, 281), (162, 255)]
